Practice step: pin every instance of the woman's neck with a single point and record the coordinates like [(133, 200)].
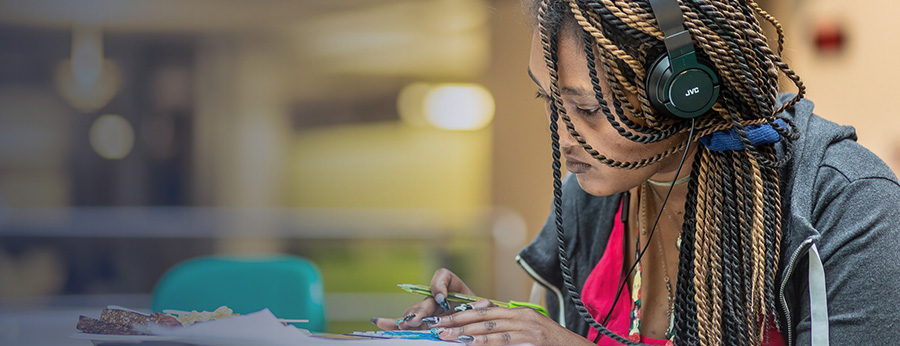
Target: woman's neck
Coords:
[(669, 167)]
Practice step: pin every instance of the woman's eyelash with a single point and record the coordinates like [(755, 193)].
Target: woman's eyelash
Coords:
[(588, 112)]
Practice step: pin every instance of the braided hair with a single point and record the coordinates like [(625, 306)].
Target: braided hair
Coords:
[(729, 253)]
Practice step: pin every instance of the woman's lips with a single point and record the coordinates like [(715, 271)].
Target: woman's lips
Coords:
[(576, 166)]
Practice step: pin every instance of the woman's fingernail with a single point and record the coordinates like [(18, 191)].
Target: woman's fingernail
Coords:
[(374, 320), (442, 301), (437, 331), (408, 317), (431, 319), (463, 307), (465, 338)]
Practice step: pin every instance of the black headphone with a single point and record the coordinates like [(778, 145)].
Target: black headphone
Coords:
[(678, 84)]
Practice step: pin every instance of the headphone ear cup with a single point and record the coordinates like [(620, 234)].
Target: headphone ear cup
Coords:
[(658, 73), (689, 94)]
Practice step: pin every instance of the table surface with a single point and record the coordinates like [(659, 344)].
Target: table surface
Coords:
[(42, 326)]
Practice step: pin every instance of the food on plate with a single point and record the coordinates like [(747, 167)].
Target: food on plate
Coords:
[(124, 322), (188, 318)]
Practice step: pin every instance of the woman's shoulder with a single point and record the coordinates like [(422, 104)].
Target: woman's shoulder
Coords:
[(828, 153), (851, 162), (834, 187), (831, 182)]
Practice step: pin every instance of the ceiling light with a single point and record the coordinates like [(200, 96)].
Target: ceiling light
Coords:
[(459, 106)]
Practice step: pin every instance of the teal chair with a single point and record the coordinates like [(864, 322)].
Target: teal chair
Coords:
[(289, 286)]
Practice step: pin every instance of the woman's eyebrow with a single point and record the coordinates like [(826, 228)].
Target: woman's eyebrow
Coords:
[(574, 91), (565, 90), (534, 79)]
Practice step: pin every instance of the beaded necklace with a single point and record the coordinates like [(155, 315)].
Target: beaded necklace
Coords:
[(634, 330)]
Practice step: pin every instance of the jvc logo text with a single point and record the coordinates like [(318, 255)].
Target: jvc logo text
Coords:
[(694, 91)]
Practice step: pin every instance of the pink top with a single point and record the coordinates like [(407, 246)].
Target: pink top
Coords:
[(600, 290)]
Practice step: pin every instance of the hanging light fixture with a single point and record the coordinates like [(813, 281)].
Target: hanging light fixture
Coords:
[(87, 80)]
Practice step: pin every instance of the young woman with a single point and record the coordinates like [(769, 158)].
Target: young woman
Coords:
[(742, 219)]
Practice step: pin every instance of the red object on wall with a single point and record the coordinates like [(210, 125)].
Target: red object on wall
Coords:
[(829, 37)]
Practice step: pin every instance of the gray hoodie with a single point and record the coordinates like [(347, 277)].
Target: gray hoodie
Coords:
[(838, 198)]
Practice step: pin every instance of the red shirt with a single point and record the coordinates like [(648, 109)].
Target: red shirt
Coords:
[(600, 289)]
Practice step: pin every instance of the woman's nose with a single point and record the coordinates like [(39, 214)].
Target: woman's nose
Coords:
[(565, 137)]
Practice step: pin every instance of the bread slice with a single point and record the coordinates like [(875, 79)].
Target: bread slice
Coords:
[(95, 326), (130, 318), (124, 322)]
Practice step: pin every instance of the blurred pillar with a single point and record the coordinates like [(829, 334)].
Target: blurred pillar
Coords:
[(242, 133), (521, 177)]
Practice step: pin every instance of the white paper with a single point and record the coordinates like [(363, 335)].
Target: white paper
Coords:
[(263, 328)]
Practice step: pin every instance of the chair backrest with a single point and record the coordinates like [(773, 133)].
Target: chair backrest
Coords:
[(289, 286)]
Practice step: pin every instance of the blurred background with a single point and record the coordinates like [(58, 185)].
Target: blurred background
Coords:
[(379, 139)]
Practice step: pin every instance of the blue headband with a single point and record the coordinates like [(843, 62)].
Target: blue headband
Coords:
[(729, 140)]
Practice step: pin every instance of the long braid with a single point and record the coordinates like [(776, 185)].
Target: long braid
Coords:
[(685, 328), (701, 270), (752, 201), (779, 30), (706, 278), (743, 208), (759, 245), (746, 213), (733, 327), (771, 221), (731, 235), (716, 252), (716, 248)]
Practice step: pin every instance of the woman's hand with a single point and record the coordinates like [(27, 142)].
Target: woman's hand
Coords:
[(442, 282), (490, 325)]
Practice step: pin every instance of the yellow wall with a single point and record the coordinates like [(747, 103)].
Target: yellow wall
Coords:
[(390, 165)]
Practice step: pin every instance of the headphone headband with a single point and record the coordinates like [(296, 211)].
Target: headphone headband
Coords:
[(677, 83), (678, 42)]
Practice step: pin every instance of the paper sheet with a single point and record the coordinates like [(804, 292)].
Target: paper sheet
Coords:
[(263, 328)]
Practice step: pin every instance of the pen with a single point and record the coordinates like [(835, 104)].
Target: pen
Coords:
[(465, 298)]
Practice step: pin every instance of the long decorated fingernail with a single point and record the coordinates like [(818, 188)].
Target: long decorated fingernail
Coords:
[(436, 332), (442, 301), (374, 320), (463, 307), (405, 318), (431, 319), (465, 338)]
